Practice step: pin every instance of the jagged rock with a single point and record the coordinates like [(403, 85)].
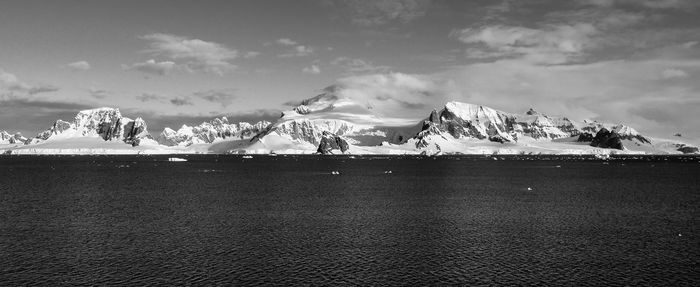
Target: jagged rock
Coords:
[(58, 127), (134, 131), (498, 139), (434, 118), (330, 142), (585, 137), (607, 139), (208, 132), (628, 133), (106, 123), (16, 138), (302, 109)]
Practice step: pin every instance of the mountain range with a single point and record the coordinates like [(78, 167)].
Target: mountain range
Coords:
[(332, 124)]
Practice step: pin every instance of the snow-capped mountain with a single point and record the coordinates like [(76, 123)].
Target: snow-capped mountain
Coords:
[(209, 132), (331, 123), (7, 138), (105, 123)]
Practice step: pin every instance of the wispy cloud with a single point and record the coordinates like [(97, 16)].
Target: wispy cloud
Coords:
[(292, 48), (152, 67), (286, 42), (359, 66), (194, 55), (653, 4), (555, 44), (313, 69), (380, 12), (225, 97), (671, 73), (11, 85), (181, 101), (98, 93), (148, 97), (79, 66)]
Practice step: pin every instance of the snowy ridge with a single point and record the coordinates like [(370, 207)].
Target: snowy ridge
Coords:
[(331, 124), (105, 123), (210, 132)]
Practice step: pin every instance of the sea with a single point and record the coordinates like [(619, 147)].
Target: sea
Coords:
[(237, 220)]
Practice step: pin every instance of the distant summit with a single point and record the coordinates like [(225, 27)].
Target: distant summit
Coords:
[(330, 123)]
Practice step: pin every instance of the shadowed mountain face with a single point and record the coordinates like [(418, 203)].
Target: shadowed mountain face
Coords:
[(106, 123), (329, 123)]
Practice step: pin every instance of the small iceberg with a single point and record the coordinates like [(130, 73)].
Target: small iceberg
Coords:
[(387, 172), (247, 156), (335, 172), (176, 159)]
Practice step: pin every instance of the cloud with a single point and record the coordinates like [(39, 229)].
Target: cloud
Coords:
[(251, 54), (79, 66), (181, 101), (42, 89), (98, 93), (652, 4), (152, 67), (11, 86), (393, 95), (314, 69), (222, 96), (359, 66), (673, 73), (552, 44), (298, 51), (149, 97), (194, 55), (32, 116), (286, 42), (381, 12)]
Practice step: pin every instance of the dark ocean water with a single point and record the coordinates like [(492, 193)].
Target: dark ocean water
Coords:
[(226, 220)]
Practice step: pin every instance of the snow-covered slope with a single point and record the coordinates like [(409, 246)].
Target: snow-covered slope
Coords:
[(334, 123), (9, 139), (209, 132), (105, 123)]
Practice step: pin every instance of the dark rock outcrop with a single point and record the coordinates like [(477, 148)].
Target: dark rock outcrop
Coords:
[(498, 139), (685, 149), (585, 137), (330, 142), (134, 131), (607, 139)]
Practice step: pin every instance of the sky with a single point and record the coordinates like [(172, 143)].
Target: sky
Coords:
[(173, 62)]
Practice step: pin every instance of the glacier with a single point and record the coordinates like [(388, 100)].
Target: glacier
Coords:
[(330, 123)]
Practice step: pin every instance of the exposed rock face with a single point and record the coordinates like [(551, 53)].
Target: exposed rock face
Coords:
[(310, 130), (585, 137), (134, 131), (330, 142), (106, 123), (467, 120), (302, 110), (208, 132), (472, 121), (628, 133), (685, 149), (58, 127), (17, 138), (607, 139)]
